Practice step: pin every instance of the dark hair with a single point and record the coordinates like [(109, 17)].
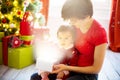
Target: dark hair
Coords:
[(67, 28), (77, 9)]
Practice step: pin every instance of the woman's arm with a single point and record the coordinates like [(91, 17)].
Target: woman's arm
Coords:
[(99, 54)]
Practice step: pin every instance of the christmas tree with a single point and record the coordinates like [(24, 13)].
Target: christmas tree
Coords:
[(12, 11)]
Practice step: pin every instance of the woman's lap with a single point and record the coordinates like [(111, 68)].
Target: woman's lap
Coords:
[(73, 76), (78, 76), (35, 76)]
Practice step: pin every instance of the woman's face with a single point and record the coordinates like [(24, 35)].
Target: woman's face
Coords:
[(77, 22)]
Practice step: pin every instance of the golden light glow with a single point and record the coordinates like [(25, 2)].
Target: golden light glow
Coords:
[(15, 3), (48, 52)]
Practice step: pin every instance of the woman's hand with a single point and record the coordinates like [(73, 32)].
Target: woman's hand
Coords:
[(58, 68)]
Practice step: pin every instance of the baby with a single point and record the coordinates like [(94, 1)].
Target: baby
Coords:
[(65, 36)]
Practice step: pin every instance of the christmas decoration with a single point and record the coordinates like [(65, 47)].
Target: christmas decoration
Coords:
[(15, 42), (1, 59), (26, 25), (20, 57), (12, 11), (27, 40), (35, 7)]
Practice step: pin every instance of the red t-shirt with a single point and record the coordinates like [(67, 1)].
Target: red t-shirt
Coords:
[(86, 42), (71, 57)]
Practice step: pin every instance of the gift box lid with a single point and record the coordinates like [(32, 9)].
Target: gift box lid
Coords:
[(26, 38)]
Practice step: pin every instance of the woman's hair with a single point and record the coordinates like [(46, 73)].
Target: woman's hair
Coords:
[(67, 28), (77, 9)]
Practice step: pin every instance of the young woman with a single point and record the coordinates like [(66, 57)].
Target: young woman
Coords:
[(90, 41)]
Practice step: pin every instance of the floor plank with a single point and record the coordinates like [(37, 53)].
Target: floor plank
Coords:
[(10, 74), (115, 61), (109, 70), (28, 71), (17, 74), (3, 69)]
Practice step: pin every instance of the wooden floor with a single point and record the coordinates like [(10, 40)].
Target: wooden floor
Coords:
[(109, 71)]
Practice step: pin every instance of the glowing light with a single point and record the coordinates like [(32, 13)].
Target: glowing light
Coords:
[(46, 36), (36, 24), (12, 25), (38, 15), (2, 16), (47, 53), (17, 32), (30, 18), (15, 3)]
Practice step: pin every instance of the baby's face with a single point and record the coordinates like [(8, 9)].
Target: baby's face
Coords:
[(65, 40)]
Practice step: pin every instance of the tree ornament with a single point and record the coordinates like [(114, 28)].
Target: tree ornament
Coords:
[(0, 2), (4, 21), (8, 3), (18, 12)]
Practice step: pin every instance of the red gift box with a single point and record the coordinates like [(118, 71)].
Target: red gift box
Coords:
[(5, 45), (27, 43), (5, 49)]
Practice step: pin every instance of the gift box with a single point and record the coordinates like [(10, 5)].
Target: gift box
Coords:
[(20, 57), (5, 41), (5, 45), (1, 61), (26, 38), (1, 36)]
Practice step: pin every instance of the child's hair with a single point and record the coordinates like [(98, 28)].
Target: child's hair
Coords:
[(67, 28), (77, 9)]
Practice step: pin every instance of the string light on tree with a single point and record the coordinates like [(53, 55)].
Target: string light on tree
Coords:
[(12, 11)]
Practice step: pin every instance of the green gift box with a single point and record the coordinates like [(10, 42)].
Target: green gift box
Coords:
[(26, 38), (1, 36), (20, 57), (1, 61)]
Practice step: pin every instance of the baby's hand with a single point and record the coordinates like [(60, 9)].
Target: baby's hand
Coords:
[(58, 79), (44, 76), (60, 75)]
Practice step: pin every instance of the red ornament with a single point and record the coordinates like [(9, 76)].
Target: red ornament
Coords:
[(19, 12), (8, 3), (4, 20)]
